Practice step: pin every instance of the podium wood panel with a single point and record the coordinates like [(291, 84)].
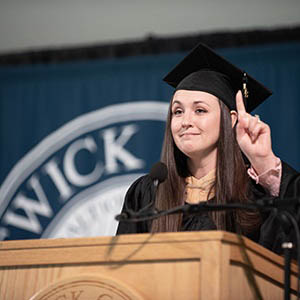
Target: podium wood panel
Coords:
[(185, 265)]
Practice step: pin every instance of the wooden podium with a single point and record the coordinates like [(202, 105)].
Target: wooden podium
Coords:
[(191, 265)]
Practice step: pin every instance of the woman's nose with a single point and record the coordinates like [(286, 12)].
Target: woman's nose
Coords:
[(186, 120)]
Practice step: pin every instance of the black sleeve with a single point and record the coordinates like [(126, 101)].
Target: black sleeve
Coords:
[(138, 196), (272, 232), (288, 181)]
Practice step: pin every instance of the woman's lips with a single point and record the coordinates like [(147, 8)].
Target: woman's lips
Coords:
[(189, 133)]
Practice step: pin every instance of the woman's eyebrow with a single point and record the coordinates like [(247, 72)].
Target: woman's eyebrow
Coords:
[(176, 102), (195, 102), (201, 102)]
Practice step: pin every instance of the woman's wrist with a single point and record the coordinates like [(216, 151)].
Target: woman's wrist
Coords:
[(262, 165), (270, 179)]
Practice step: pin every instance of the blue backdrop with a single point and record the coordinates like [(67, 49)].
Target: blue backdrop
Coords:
[(71, 129)]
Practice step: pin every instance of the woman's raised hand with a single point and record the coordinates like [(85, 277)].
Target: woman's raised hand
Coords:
[(254, 138)]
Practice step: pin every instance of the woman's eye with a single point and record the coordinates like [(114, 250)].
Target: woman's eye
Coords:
[(200, 110), (177, 111)]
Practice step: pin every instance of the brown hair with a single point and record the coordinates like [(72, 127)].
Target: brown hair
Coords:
[(231, 185)]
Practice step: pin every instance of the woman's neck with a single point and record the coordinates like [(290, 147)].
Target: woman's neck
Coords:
[(199, 167)]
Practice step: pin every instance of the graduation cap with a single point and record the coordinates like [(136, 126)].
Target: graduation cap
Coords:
[(204, 70)]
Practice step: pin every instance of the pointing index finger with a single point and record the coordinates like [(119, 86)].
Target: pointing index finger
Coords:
[(240, 106)]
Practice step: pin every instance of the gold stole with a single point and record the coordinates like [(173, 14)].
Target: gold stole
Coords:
[(197, 190)]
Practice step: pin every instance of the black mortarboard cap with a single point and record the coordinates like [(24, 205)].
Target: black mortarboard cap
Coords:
[(204, 70)]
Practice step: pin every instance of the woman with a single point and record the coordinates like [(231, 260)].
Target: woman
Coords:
[(210, 139)]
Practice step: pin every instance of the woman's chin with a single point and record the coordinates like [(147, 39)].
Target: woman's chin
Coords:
[(191, 152)]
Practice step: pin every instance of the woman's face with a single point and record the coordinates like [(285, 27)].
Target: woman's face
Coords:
[(195, 123)]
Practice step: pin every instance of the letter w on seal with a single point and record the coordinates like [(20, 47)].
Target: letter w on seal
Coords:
[(31, 207)]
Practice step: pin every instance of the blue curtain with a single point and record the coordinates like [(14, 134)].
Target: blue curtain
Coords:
[(57, 121), (278, 67)]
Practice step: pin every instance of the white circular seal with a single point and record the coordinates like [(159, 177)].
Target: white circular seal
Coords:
[(87, 203)]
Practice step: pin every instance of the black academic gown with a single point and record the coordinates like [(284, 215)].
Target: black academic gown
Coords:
[(271, 233)]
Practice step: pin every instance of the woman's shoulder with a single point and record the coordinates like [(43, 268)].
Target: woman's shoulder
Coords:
[(140, 184), (290, 181), (139, 193), (137, 197)]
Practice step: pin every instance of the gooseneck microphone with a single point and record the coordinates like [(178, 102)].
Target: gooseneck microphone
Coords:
[(158, 174)]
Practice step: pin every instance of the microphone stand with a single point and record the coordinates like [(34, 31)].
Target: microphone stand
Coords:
[(287, 245), (286, 219), (287, 251)]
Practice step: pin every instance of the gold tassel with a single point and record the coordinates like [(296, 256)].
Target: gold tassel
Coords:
[(245, 90)]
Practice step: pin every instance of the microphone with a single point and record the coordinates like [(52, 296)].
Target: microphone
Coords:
[(158, 174)]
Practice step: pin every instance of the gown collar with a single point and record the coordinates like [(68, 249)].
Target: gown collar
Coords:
[(198, 190)]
